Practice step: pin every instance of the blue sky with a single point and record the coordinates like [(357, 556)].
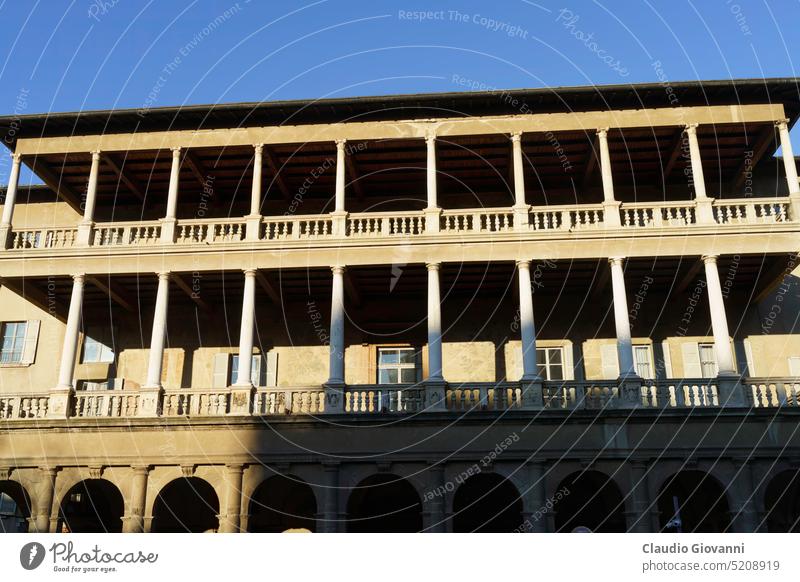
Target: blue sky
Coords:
[(66, 56)]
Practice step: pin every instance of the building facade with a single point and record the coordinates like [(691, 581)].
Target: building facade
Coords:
[(533, 311)]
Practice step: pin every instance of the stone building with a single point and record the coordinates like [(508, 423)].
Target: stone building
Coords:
[(533, 310)]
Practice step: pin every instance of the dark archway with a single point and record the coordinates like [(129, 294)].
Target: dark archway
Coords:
[(15, 507), (188, 504), (91, 506), (693, 501), (782, 503), (487, 503), (281, 503), (591, 501), (384, 504)]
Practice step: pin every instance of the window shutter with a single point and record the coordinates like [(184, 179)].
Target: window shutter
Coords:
[(31, 339), (569, 362), (794, 366), (257, 370), (609, 361), (272, 368), (220, 379), (667, 359), (748, 356), (691, 360)]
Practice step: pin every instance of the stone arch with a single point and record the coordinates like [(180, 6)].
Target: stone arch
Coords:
[(591, 501), (186, 504), (384, 503), (15, 507), (487, 502), (280, 503), (91, 506), (693, 501), (782, 502)]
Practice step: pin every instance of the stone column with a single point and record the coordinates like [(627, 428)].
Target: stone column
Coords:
[(242, 390), (169, 221), (58, 406), (521, 208), (87, 223), (329, 519), (151, 391), (339, 213), (629, 381), (432, 211), (334, 401), (531, 382), (134, 521), (433, 501), (705, 214), (639, 513), (790, 168), (610, 204), (253, 219), (44, 503), (731, 393), (435, 383), (10, 201), (535, 507), (229, 522), (744, 513)]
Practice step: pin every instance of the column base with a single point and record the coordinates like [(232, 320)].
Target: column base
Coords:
[(133, 524), (794, 207), (704, 210), (433, 218), (59, 404), (5, 236), (339, 223), (532, 397), (252, 227), (629, 391), (435, 395), (85, 230), (228, 524), (731, 393), (168, 228), (521, 217), (611, 214), (334, 397), (149, 401), (241, 400)]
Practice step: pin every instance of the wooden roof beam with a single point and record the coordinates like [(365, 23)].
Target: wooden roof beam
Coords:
[(117, 294), (272, 164), (268, 287), (765, 138), (197, 167), (124, 175), (193, 295), (56, 183)]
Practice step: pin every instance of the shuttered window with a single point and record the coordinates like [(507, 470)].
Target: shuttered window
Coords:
[(263, 370), (550, 362), (258, 371), (708, 360), (644, 361), (19, 340)]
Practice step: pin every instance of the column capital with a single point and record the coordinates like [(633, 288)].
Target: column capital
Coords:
[(234, 468), (602, 132), (163, 275), (691, 128), (516, 136), (250, 272), (433, 266), (782, 123), (16, 158), (430, 136), (78, 277), (141, 469), (340, 143), (258, 147), (616, 261), (95, 155), (338, 269), (710, 259), (524, 264), (176, 151)]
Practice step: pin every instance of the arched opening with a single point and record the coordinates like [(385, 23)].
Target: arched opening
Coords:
[(384, 504), (15, 507), (693, 501), (782, 503), (591, 501), (281, 503), (487, 503), (188, 504), (91, 506)]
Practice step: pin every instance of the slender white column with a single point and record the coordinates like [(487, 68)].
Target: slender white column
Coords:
[(11, 191), (337, 327), (519, 169), (697, 163), (788, 157), (174, 179), (530, 369), (340, 167), (605, 165), (434, 324), (70, 348), (255, 191), (91, 189), (719, 321), (430, 142), (159, 333), (621, 321), (246, 333)]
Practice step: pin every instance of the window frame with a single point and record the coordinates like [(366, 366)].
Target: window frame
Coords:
[(18, 342), (398, 366), (544, 372), (233, 369), (648, 349), (103, 349)]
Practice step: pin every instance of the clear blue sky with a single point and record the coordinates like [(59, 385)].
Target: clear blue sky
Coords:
[(66, 56)]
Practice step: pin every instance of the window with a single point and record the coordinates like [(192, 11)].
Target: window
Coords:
[(258, 372), (643, 361), (550, 362), (96, 352), (397, 366), (708, 360), (13, 342)]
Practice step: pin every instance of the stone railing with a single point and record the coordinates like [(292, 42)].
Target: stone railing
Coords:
[(373, 225), (402, 399)]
